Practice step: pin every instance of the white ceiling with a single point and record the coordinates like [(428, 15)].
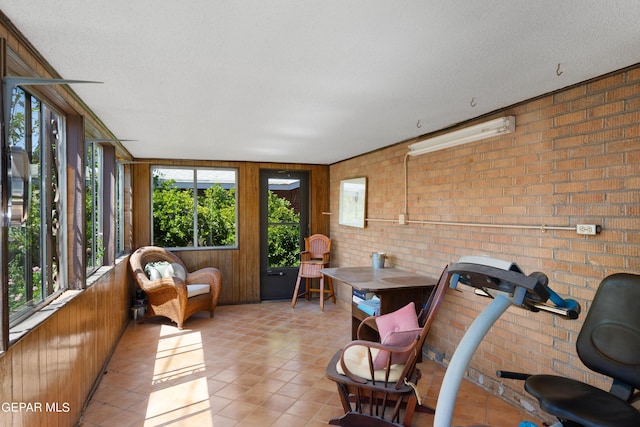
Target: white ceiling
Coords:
[(316, 81)]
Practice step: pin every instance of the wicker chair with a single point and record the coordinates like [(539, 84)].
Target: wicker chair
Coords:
[(317, 250), (169, 296)]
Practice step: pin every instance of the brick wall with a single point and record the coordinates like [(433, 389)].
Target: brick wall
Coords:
[(573, 158)]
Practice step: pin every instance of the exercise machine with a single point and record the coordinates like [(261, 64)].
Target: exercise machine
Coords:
[(506, 284)]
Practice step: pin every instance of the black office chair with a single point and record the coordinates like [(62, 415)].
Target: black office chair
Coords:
[(608, 343)]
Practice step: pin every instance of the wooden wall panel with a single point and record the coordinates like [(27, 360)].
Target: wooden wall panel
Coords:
[(240, 266), (60, 359), (75, 201), (6, 384), (141, 204), (249, 268)]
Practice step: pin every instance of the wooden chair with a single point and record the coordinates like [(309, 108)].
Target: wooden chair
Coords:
[(316, 254), (177, 295), (367, 398)]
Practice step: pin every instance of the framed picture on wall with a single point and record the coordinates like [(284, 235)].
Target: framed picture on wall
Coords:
[(353, 202)]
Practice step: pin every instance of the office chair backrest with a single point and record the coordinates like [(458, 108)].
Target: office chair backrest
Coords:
[(609, 341)]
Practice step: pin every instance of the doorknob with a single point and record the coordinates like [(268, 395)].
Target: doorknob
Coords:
[(275, 273)]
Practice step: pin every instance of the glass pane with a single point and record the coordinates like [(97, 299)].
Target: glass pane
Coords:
[(283, 230), (32, 244), (119, 209), (173, 207), (284, 245), (95, 245), (19, 277), (216, 207), (24, 257)]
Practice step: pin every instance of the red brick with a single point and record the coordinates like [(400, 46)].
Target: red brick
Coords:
[(571, 118), (607, 109), (606, 83)]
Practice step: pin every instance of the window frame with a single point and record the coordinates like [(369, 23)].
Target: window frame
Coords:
[(194, 187), (51, 140)]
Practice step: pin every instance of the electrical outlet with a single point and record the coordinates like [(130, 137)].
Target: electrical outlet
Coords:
[(588, 229), (402, 219)]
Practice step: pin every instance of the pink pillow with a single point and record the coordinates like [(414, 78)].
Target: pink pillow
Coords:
[(396, 339), (403, 319), (397, 328)]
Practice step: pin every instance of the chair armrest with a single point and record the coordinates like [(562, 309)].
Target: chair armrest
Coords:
[(368, 321), (305, 256), (325, 258), (209, 275), (164, 283)]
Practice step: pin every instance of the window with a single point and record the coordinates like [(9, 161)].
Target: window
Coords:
[(35, 244), (193, 207), (94, 228)]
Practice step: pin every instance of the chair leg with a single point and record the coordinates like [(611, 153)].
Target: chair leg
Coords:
[(308, 284), (332, 293), (322, 293), (295, 293), (412, 402)]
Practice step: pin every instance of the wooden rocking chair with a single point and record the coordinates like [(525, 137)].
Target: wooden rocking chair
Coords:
[(368, 395)]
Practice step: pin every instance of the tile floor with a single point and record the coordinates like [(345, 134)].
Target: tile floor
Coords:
[(251, 365)]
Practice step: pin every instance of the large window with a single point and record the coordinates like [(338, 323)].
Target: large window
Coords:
[(35, 244), (194, 207)]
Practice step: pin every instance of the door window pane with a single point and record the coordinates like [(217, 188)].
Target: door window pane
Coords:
[(283, 228)]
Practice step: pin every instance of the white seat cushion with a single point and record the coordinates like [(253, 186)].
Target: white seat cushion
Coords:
[(357, 361), (194, 290)]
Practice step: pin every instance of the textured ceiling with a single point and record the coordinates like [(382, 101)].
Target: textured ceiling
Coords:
[(316, 81)]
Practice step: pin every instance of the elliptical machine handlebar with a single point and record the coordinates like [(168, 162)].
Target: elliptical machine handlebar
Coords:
[(532, 292)]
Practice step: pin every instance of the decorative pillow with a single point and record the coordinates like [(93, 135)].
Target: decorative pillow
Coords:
[(175, 270), (398, 328), (153, 273), (155, 270), (395, 339), (403, 319)]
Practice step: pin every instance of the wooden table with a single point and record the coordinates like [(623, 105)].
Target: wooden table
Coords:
[(395, 288)]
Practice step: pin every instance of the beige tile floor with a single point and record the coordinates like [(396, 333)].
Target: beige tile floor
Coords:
[(251, 365)]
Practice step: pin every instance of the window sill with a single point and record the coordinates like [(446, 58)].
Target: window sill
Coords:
[(41, 315), (30, 323)]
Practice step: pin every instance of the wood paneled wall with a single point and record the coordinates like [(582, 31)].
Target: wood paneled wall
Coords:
[(58, 362), (240, 267)]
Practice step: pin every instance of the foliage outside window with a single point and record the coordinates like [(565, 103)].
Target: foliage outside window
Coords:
[(33, 246), (94, 230), (283, 232), (194, 207)]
